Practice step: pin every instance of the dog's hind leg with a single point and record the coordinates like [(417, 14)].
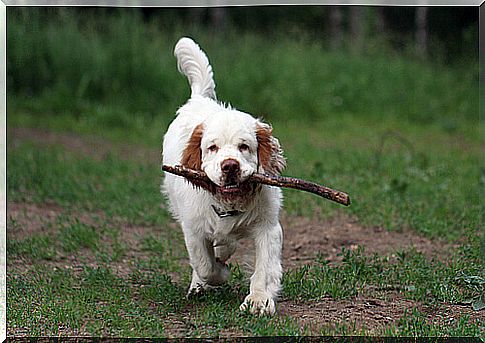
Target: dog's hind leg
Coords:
[(207, 270), (224, 251)]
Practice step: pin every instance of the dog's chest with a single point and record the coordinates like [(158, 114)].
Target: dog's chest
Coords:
[(232, 220), (229, 226)]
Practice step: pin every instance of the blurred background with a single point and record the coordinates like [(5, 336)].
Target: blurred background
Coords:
[(114, 67)]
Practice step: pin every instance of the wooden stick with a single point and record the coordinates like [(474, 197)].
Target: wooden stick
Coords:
[(200, 179), (302, 185)]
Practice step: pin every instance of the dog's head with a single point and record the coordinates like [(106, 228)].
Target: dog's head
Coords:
[(229, 147)]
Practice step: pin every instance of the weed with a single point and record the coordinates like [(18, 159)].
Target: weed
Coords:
[(117, 188)]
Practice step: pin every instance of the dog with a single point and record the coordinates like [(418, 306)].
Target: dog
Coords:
[(229, 146)]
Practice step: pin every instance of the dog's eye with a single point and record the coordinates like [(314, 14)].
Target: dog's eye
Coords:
[(243, 147), (213, 148)]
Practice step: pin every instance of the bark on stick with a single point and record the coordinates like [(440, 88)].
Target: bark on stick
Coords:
[(200, 179)]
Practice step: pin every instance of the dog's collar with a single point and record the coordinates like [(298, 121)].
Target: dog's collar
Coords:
[(223, 214)]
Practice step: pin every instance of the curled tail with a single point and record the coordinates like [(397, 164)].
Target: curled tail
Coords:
[(193, 63)]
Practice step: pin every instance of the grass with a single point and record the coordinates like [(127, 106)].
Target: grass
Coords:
[(391, 184), (428, 281), (78, 235), (51, 174), (413, 325), (97, 301), (434, 193), (398, 134)]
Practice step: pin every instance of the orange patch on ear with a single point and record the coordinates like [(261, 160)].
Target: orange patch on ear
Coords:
[(263, 135), (192, 155), (270, 156)]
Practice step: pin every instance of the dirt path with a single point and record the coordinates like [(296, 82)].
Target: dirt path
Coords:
[(304, 238), (370, 313), (301, 246)]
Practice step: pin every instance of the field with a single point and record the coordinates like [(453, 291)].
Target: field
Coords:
[(92, 249)]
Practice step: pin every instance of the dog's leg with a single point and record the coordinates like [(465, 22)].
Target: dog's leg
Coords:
[(224, 251), (207, 271), (266, 280)]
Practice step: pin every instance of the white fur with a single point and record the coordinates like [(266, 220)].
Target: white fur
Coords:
[(211, 240), (193, 63)]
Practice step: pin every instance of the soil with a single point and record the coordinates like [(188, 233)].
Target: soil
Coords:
[(305, 238), (369, 313), (26, 219)]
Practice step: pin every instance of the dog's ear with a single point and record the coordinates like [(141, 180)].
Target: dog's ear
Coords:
[(192, 154), (270, 155)]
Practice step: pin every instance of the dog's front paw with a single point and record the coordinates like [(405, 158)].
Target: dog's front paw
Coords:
[(196, 290), (259, 303)]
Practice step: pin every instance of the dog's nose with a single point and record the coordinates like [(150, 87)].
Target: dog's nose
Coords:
[(230, 166)]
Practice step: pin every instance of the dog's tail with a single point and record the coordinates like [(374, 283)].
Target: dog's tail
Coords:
[(193, 63)]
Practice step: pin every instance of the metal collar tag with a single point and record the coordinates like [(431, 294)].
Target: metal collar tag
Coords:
[(224, 214)]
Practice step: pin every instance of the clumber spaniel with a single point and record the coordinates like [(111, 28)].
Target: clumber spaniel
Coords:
[(228, 145)]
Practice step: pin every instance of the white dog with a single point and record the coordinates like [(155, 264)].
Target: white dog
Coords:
[(229, 146)]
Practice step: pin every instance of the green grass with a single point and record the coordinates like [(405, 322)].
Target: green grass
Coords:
[(39, 175), (429, 281), (401, 183), (399, 135), (38, 247), (78, 235), (415, 325), (101, 303), (96, 300)]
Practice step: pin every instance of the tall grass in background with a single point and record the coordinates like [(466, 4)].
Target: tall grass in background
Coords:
[(115, 69), (112, 67)]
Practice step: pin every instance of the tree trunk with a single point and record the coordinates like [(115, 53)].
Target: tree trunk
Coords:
[(356, 27), (196, 15), (381, 26), (335, 22), (218, 17), (421, 21)]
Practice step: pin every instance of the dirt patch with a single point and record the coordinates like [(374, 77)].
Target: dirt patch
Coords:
[(370, 314), (27, 219), (306, 238), (362, 312), (95, 147)]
